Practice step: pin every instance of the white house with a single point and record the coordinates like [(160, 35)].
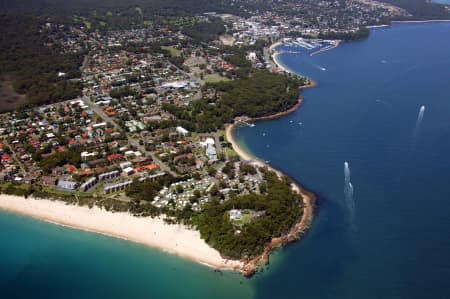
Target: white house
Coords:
[(182, 131)]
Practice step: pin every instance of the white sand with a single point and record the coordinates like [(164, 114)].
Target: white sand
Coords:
[(251, 159), (307, 197), (175, 239), (280, 65), (273, 46)]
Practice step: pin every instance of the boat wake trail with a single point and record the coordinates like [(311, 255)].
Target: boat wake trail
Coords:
[(320, 67), (348, 192), (389, 105), (419, 121)]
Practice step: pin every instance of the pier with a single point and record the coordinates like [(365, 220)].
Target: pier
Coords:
[(248, 124), (287, 52)]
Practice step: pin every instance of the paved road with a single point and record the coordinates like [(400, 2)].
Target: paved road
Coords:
[(157, 161), (132, 141), (85, 61), (198, 95), (24, 172), (268, 60), (101, 113)]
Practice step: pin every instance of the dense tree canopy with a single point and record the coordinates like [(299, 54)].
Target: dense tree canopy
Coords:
[(122, 11), (282, 209), (35, 66), (422, 9), (357, 35), (260, 94), (60, 159), (205, 31)]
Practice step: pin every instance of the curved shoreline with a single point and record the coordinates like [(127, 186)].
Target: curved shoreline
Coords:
[(285, 69), (281, 66), (406, 22), (423, 21), (151, 232), (274, 45), (174, 239), (308, 198), (325, 49)]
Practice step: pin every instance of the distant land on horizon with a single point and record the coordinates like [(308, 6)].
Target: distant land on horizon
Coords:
[(420, 9), (136, 107)]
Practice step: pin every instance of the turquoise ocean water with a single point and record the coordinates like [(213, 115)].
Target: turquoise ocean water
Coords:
[(42, 260), (390, 239)]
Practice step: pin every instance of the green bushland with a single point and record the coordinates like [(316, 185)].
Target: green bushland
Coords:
[(34, 65), (282, 207), (261, 93)]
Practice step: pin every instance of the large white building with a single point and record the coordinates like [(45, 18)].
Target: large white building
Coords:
[(211, 153)]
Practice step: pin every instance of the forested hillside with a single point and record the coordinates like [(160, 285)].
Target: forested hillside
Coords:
[(422, 9), (34, 66)]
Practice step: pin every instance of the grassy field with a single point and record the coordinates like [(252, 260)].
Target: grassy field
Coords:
[(246, 218), (9, 99), (215, 78), (58, 191), (86, 23), (174, 52), (230, 152)]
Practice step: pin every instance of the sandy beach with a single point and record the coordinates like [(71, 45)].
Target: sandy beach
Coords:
[(280, 65), (244, 155), (154, 232), (174, 239), (274, 45), (307, 196), (377, 26), (308, 199)]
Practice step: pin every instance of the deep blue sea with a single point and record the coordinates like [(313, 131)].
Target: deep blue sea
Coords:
[(442, 1), (390, 239)]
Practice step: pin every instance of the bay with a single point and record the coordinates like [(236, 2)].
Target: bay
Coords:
[(392, 244), (392, 239)]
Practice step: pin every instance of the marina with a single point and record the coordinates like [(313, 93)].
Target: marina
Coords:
[(310, 46)]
